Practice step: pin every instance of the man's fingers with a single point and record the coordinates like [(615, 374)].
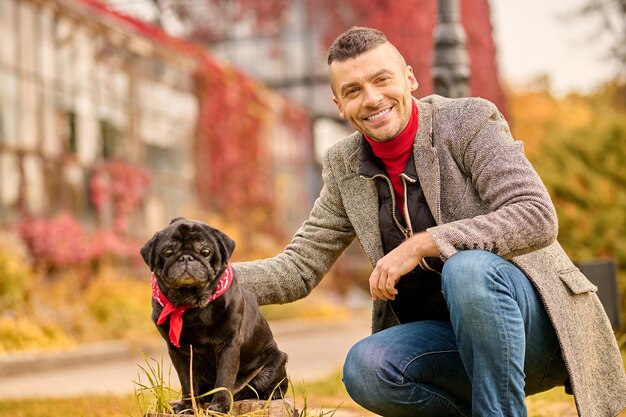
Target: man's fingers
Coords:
[(400, 261), (376, 295), (374, 286), (388, 287), (382, 284)]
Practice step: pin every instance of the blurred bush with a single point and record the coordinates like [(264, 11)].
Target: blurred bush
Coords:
[(61, 242), (67, 310), (585, 171), (578, 146), (27, 333), (120, 305), (55, 243), (60, 285), (14, 272), (70, 285)]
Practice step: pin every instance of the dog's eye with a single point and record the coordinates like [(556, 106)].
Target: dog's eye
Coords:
[(167, 253), (205, 252)]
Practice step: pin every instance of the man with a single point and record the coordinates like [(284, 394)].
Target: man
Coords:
[(432, 181)]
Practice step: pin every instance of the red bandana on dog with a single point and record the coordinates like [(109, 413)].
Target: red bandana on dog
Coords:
[(176, 313)]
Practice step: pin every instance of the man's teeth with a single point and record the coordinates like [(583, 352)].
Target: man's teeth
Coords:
[(377, 115)]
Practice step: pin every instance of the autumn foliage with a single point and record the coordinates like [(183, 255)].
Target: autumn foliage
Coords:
[(409, 24), (234, 165), (61, 242), (578, 146), (231, 161), (117, 190)]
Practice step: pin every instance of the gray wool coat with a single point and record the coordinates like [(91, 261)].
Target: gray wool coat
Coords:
[(483, 194)]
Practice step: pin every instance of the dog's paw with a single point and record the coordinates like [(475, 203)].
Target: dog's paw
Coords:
[(219, 407), (181, 407), (220, 402)]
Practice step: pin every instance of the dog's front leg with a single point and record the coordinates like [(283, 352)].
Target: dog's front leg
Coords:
[(180, 361), (227, 370)]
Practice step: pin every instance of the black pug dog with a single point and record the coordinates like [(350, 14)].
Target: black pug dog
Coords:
[(198, 303)]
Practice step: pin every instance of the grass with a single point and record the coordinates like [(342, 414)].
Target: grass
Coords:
[(86, 406), (319, 396), (554, 403), (153, 392), (313, 399), (107, 406), (324, 397)]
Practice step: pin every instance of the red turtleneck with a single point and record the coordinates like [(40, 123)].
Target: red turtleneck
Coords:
[(395, 154)]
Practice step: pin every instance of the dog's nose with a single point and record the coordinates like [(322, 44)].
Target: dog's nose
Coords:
[(185, 258)]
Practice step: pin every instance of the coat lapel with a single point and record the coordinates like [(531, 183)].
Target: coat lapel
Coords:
[(427, 162), (362, 209)]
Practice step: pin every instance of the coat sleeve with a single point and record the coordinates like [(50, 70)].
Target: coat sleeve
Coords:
[(294, 273), (518, 216)]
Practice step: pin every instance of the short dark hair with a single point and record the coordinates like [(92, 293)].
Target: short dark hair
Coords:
[(353, 42)]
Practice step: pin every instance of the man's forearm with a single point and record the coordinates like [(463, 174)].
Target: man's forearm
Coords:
[(423, 245)]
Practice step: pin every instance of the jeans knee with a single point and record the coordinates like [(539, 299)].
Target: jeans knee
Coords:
[(366, 374), (353, 372), (467, 277), (392, 377)]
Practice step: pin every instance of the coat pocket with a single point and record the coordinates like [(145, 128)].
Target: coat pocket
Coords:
[(576, 281)]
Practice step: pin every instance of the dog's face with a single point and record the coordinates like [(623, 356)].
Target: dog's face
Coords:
[(187, 258)]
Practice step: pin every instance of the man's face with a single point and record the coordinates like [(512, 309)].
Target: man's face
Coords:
[(373, 91)]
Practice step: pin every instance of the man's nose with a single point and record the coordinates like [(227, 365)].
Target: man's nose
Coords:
[(372, 96)]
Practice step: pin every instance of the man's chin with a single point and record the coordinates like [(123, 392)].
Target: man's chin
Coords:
[(380, 135)]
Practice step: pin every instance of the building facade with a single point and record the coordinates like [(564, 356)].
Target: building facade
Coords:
[(85, 90)]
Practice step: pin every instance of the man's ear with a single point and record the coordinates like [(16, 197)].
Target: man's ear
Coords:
[(342, 114), (411, 78), (148, 251)]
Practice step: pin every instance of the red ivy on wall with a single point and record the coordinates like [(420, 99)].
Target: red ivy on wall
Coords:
[(119, 187), (231, 160), (234, 165), (409, 24)]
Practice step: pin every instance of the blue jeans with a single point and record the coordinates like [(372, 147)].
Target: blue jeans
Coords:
[(499, 347)]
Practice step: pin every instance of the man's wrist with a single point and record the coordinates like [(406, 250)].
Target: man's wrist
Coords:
[(423, 246)]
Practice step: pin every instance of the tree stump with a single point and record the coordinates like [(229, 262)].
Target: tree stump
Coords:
[(254, 408), (274, 408)]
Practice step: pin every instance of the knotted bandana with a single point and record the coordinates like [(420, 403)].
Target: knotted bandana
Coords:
[(176, 313)]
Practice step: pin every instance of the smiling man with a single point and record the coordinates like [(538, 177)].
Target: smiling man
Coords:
[(374, 92), (475, 303)]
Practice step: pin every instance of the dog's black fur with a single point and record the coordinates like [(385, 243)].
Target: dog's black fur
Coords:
[(232, 343)]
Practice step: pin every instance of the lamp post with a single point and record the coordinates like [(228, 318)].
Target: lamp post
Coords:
[(451, 71)]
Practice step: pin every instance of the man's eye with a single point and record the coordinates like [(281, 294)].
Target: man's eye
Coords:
[(351, 92)]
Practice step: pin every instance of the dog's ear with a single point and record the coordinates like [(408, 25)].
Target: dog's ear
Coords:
[(226, 244), (177, 219), (148, 251)]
